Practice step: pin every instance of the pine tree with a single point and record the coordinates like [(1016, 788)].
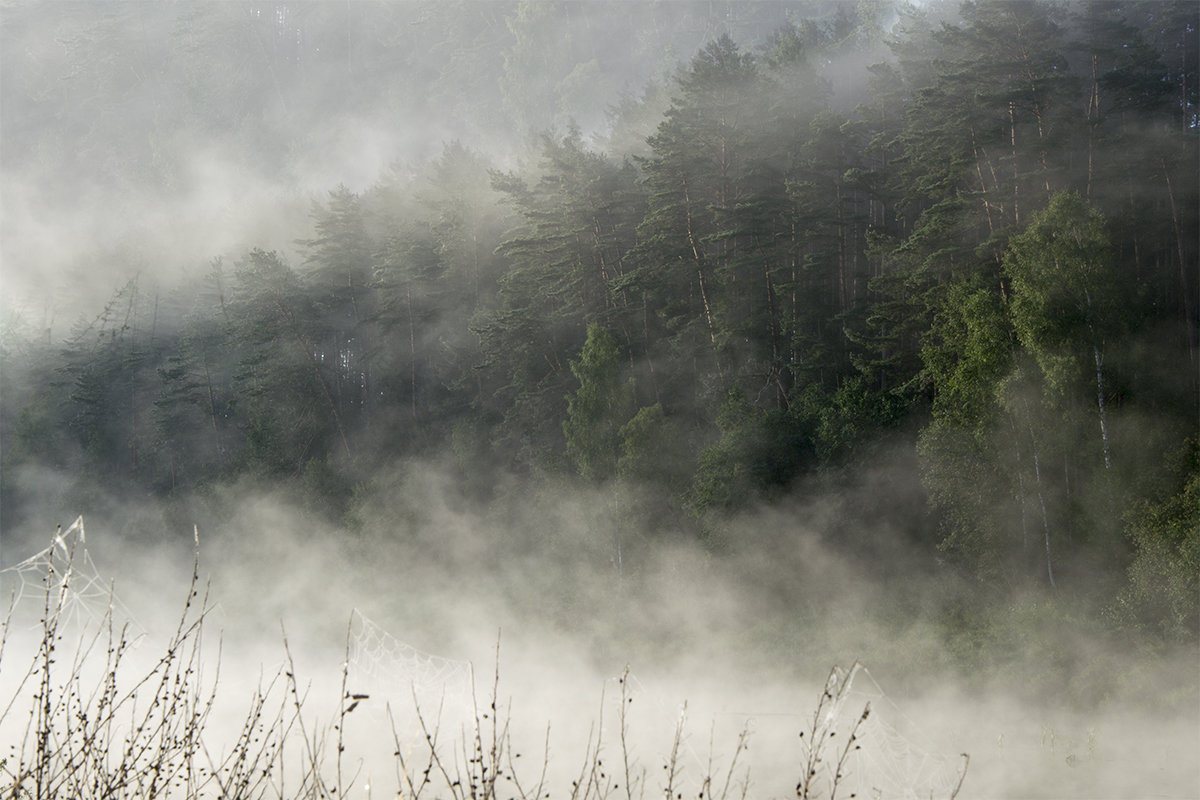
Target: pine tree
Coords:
[(598, 409)]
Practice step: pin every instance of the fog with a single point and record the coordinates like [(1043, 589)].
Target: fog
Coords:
[(605, 624), (154, 134), (532, 597)]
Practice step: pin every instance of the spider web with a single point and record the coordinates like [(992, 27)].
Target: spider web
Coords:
[(896, 758), (392, 667), (64, 578), (892, 763)]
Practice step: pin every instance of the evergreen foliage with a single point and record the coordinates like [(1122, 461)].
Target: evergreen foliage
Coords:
[(986, 247)]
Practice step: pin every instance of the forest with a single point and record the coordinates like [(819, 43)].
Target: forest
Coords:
[(958, 245)]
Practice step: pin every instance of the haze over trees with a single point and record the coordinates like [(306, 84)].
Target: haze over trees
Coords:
[(706, 259)]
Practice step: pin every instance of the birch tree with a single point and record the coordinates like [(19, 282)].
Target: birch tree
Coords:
[(1067, 298)]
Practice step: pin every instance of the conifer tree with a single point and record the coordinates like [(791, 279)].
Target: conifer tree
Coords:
[(598, 409)]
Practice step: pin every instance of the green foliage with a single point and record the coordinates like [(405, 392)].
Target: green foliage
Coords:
[(757, 283), (989, 640), (699, 169), (1068, 299), (967, 352), (966, 482), (563, 263), (653, 449), (725, 476), (599, 408), (1163, 590), (851, 417)]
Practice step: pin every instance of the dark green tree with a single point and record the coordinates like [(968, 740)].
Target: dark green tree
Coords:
[(286, 399), (341, 264), (597, 410), (576, 221), (698, 169)]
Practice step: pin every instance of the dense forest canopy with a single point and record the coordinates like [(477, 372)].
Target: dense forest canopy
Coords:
[(705, 255)]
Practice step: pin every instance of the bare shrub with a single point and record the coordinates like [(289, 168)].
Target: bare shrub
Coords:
[(88, 719)]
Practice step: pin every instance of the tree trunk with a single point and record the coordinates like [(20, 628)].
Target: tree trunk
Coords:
[(699, 260), (1037, 477), (1037, 474), (1099, 386), (1183, 281), (287, 315), (1100, 405)]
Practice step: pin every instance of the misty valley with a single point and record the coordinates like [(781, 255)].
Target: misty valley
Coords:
[(600, 399)]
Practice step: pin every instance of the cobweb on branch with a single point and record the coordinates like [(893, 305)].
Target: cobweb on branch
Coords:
[(892, 763), (64, 578), (398, 670), (896, 758)]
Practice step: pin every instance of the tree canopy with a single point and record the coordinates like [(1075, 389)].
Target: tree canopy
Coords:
[(983, 246)]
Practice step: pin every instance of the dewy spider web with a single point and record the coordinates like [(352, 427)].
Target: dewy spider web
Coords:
[(892, 761), (65, 574), (890, 764), (393, 667)]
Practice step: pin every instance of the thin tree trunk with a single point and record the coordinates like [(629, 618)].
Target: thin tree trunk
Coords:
[(337, 417), (983, 189), (1099, 384), (212, 403), (1183, 281), (843, 298), (1020, 485), (687, 205), (598, 242), (1012, 143), (1100, 405), (647, 345), (1037, 477), (1037, 474), (316, 368), (1093, 120), (1037, 108)]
